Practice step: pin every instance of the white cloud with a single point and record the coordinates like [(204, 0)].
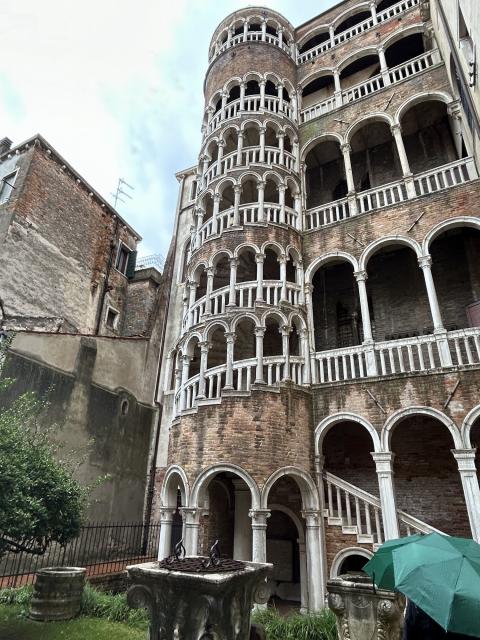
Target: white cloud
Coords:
[(116, 87)]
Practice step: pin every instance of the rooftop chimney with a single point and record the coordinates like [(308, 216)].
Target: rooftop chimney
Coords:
[(5, 144)]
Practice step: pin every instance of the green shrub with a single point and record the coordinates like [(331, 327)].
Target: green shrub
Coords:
[(297, 626), (20, 596), (97, 604)]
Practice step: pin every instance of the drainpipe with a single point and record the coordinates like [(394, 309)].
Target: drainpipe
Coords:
[(113, 245)]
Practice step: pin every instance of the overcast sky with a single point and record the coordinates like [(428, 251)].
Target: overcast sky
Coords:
[(116, 87)]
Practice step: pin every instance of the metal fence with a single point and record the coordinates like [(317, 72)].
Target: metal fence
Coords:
[(100, 548)]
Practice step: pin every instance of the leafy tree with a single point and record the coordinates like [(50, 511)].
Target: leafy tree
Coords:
[(40, 500)]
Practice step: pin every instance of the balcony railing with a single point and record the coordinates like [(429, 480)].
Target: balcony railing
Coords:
[(372, 85), (249, 156), (251, 104), (369, 23), (444, 177), (243, 377), (408, 355), (245, 298), (251, 36)]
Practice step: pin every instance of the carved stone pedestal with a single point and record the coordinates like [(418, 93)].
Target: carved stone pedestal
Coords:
[(200, 606), (363, 613)]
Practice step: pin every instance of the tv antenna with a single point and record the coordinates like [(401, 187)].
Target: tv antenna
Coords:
[(120, 193)]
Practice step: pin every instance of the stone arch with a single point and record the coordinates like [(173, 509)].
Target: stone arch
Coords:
[(252, 75), (190, 341), (218, 255), (325, 259), (321, 28), (467, 425), (216, 324), (304, 481), (357, 55), (367, 119), (295, 315), (327, 423), (399, 415), (425, 96), (345, 553), (319, 73), (274, 313), (293, 516), (404, 32), (251, 121), (246, 245), (231, 82), (228, 181), (357, 8), (203, 479), (461, 221), (276, 247), (167, 497), (245, 316), (376, 245), (324, 137), (196, 270)]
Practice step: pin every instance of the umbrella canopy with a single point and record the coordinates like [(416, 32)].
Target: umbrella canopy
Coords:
[(440, 574)]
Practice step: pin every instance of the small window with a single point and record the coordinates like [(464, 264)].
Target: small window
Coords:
[(193, 190), (6, 186), (466, 42), (111, 319), (123, 256)]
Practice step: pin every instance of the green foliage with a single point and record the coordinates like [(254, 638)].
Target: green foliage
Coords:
[(297, 626), (97, 604), (20, 596), (40, 500)]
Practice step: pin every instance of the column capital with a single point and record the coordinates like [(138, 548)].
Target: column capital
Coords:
[(383, 461), (308, 287), (261, 185), (312, 518), (190, 514), (303, 333), (454, 109), (259, 257), (281, 134), (210, 109), (465, 459), (259, 518), (282, 259), (205, 346), (230, 337), (221, 143), (281, 187), (186, 359), (262, 82), (381, 48), (234, 262), (224, 95), (346, 148), (217, 197), (241, 135), (166, 514), (361, 276), (425, 262), (210, 272), (260, 331), (237, 188), (192, 283), (396, 128), (285, 329)]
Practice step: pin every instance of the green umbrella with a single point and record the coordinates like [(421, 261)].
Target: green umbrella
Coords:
[(380, 567), (440, 574)]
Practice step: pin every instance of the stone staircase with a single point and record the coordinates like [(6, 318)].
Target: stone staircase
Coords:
[(359, 513)]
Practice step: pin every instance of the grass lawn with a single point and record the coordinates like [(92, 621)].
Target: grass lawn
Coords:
[(14, 626)]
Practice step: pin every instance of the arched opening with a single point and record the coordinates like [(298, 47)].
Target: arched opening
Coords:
[(272, 339), (315, 41), (336, 307), (174, 498), (207, 205), (244, 347), (270, 89), (294, 340), (385, 4), (271, 266), (375, 159), (287, 142), (255, 26), (201, 278), (230, 138), (428, 138), (475, 442), (427, 482), (286, 544), (251, 135), (271, 29), (271, 192), (194, 352), (249, 191), (246, 266), (318, 90), (217, 354), (271, 139), (352, 564), (360, 70), (399, 301), (227, 197), (352, 20), (229, 500), (212, 152), (233, 94), (252, 88), (291, 268), (221, 276), (325, 173), (456, 273), (404, 50)]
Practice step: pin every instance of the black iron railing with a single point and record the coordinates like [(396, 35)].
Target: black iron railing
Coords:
[(100, 548)]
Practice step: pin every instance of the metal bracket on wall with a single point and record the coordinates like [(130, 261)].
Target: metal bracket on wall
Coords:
[(451, 394), (376, 401), (415, 221), (355, 240)]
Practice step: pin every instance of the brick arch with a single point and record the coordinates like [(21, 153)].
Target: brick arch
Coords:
[(203, 480), (401, 414), (327, 423), (304, 481)]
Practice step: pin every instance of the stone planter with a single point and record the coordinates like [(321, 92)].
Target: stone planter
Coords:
[(204, 606), (57, 594), (364, 613)]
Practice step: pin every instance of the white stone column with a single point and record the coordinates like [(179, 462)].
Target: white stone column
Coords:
[(281, 198), (305, 353), (264, 30), (178, 385), (185, 371), (331, 30), (166, 518), (221, 146), (402, 154), (210, 112), (468, 474), (262, 131), (259, 534), (303, 577), (259, 259), (361, 277), (373, 9), (259, 333), (229, 37), (191, 519), (315, 566), (425, 263), (308, 289), (296, 154), (298, 209), (352, 201), (216, 208), (280, 37), (198, 239), (286, 351), (283, 277), (242, 539), (203, 177), (281, 147), (245, 30), (454, 111), (280, 97), (338, 88), (383, 66), (230, 338), (262, 84), (210, 275), (237, 189), (384, 465), (224, 104), (192, 295), (261, 200), (242, 96), (204, 349), (294, 105), (232, 298), (240, 148)]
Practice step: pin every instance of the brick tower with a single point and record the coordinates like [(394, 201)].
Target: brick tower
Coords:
[(322, 334)]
